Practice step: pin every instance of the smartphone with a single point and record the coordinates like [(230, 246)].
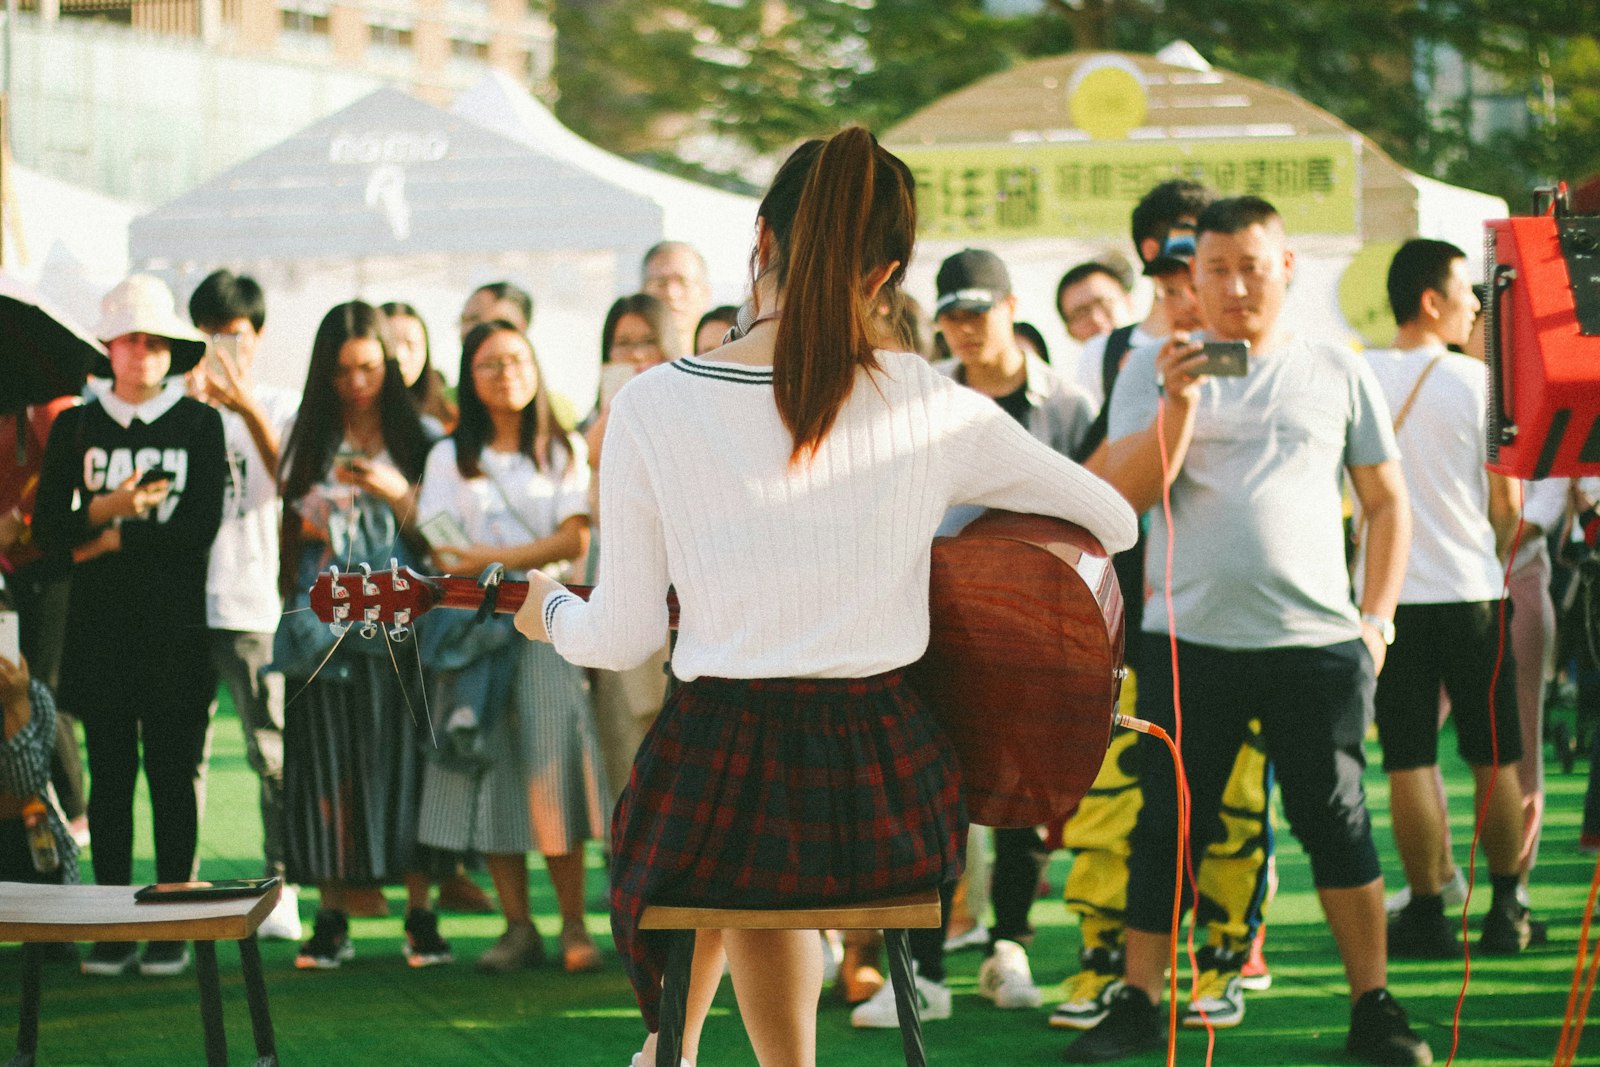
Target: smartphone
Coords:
[(346, 458), (613, 376), (10, 636), (155, 474), (222, 343), (443, 529), (224, 889), (1225, 359)]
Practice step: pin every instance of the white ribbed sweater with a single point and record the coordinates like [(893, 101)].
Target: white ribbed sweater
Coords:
[(815, 570)]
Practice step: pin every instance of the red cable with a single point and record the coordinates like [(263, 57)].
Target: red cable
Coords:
[(1488, 794), (1185, 861)]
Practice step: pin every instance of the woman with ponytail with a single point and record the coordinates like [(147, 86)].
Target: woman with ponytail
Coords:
[(788, 485)]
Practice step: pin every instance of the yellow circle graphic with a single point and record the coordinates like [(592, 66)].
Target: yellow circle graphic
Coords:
[(1107, 100)]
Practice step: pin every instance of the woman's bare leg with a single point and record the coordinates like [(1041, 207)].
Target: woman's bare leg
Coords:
[(509, 872), (705, 975), (777, 976)]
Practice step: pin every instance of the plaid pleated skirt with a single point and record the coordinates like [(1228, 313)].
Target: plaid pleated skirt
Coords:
[(788, 792)]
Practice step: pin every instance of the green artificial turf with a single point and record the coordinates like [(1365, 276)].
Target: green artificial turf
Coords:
[(376, 1010)]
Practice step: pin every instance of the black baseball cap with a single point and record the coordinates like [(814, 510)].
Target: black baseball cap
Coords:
[(1177, 252), (971, 280)]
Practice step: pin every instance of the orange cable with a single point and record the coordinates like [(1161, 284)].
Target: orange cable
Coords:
[(1572, 1023), (1488, 795)]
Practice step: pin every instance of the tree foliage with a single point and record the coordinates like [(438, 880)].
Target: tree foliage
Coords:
[(641, 76)]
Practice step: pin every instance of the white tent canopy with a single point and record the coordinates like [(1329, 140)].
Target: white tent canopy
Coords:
[(393, 199)]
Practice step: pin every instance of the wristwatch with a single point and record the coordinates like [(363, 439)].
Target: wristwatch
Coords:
[(1385, 627)]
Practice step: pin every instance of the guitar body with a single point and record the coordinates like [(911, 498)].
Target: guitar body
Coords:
[(1023, 668), (1024, 663)]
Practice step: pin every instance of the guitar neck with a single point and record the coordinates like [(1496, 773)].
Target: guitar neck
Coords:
[(465, 593)]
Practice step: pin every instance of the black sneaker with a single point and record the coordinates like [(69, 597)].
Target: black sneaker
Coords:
[(1507, 929), (1132, 1025), (424, 946), (329, 945), (111, 958), (164, 958), (1421, 934), (1380, 1034)]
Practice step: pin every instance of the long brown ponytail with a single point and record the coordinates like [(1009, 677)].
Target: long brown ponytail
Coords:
[(855, 214)]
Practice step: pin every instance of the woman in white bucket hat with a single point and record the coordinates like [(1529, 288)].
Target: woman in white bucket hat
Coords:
[(131, 491)]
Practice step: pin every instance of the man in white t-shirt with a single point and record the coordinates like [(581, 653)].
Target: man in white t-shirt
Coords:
[(1447, 629), (242, 604)]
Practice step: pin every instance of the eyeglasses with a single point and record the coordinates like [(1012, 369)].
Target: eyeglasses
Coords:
[(1083, 311), (490, 367)]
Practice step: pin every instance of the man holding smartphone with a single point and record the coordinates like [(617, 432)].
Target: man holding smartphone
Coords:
[(242, 605), (1259, 610)]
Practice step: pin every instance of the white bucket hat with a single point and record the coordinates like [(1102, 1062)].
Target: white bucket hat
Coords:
[(142, 303)]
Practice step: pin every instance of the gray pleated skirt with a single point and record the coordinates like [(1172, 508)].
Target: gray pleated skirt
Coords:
[(545, 791)]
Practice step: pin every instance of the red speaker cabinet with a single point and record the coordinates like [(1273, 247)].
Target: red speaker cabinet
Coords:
[(1542, 344)]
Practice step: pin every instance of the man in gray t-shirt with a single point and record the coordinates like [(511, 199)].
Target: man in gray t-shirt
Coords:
[(1260, 610)]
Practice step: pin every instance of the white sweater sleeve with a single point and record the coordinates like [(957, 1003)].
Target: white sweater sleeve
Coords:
[(991, 460), (625, 619)]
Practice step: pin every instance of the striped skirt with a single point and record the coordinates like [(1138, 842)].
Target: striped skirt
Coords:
[(781, 793), (545, 790)]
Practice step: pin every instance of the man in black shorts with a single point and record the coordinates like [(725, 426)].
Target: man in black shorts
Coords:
[(1447, 629)]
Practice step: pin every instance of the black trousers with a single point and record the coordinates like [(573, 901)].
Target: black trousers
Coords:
[(157, 710)]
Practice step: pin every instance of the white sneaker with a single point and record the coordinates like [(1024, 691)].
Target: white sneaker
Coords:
[(1006, 979), (880, 1013), (976, 937), (283, 921), (1454, 894)]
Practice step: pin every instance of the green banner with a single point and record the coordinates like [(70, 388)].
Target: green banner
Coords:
[(1088, 190)]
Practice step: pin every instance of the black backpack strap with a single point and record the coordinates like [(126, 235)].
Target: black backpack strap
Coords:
[(1117, 344)]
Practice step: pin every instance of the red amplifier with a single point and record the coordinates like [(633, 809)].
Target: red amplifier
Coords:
[(1542, 343)]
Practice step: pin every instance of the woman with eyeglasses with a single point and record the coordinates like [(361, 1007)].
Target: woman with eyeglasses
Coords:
[(518, 766)]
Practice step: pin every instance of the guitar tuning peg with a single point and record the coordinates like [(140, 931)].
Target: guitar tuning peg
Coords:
[(339, 628), (397, 583), (369, 630), (336, 591), (399, 631), (367, 586)]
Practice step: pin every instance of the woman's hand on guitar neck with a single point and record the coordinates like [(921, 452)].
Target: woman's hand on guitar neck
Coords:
[(530, 617)]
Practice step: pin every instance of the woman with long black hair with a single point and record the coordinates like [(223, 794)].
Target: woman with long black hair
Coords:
[(349, 473), (788, 486), (519, 765)]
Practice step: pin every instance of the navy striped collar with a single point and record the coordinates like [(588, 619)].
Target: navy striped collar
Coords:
[(725, 372)]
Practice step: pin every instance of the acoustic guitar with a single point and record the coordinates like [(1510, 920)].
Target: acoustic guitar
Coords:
[(1023, 667)]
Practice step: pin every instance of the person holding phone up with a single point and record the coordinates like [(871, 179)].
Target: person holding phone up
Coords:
[(131, 490)]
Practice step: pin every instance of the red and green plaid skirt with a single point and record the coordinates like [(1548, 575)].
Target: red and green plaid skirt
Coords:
[(786, 792)]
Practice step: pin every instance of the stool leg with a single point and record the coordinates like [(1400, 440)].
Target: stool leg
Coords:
[(28, 1022), (675, 999), (255, 990), (905, 996), (205, 969)]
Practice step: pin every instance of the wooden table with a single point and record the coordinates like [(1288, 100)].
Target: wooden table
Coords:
[(35, 914)]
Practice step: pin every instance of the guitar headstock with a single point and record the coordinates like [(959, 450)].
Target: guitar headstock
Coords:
[(394, 598)]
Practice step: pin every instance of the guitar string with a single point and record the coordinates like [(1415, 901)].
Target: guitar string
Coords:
[(401, 678), (288, 703)]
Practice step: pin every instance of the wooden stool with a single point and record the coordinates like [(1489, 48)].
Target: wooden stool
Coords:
[(894, 916), (34, 914)]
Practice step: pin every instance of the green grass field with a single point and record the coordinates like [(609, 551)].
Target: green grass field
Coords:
[(376, 1010)]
